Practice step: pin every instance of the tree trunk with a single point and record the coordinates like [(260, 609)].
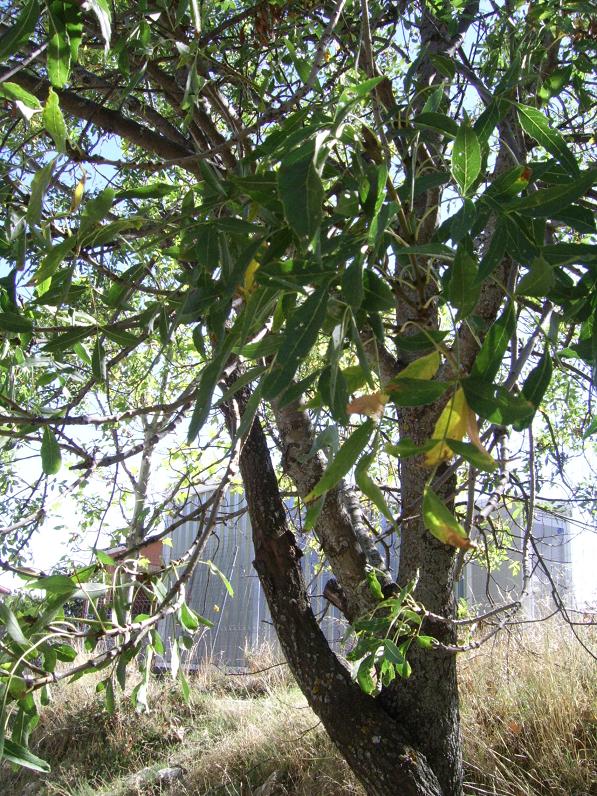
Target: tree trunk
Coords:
[(428, 701), (373, 743)]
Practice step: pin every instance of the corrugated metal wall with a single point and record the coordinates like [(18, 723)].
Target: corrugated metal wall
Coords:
[(243, 622)]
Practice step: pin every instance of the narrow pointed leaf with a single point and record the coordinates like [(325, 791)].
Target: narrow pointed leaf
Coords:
[(471, 453), (54, 121), (440, 521), (343, 460), (23, 757), (368, 486), (59, 51), (51, 458), (39, 186), (463, 287), (101, 9), (15, 93), (301, 192), (19, 33), (299, 337), (497, 339), (536, 124), (466, 158)]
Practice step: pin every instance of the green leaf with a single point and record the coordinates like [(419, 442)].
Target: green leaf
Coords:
[(104, 558), (441, 523), (101, 9), (420, 341), (184, 687), (73, 22), (392, 653), (59, 51), (11, 623), (360, 90), (109, 696), (23, 757), (377, 296), (51, 459), (431, 249), (54, 121), (68, 339), (496, 404), (426, 642), (188, 618), (301, 192), (249, 413), (591, 429), (364, 678), (471, 453), (406, 447), (53, 260), (98, 361), (155, 190), (228, 586), (495, 344), (374, 585), (538, 380), (209, 377), (487, 121), (463, 289), (466, 158), (563, 253), (343, 460), (538, 280), (548, 202), (13, 322), (535, 124), (369, 488), (300, 335), (65, 653), (416, 392), (495, 252), (54, 584), (19, 33), (437, 121), (15, 93), (95, 210), (39, 186), (312, 514)]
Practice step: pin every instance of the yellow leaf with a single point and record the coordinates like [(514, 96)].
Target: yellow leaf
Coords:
[(249, 280), (78, 194), (371, 405), (451, 424), (423, 368)]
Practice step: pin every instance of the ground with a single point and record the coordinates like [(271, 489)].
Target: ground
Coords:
[(528, 704)]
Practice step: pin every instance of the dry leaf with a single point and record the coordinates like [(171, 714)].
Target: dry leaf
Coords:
[(371, 405)]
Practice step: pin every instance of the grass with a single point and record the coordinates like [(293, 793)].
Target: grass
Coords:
[(528, 711)]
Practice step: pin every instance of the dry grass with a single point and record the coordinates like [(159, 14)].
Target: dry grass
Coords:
[(528, 719), (529, 706)]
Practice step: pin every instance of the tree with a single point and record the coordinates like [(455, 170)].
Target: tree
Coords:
[(296, 223)]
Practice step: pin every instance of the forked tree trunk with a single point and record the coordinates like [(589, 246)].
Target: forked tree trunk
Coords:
[(373, 743)]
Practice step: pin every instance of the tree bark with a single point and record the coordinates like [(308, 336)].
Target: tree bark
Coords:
[(345, 541), (428, 700)]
